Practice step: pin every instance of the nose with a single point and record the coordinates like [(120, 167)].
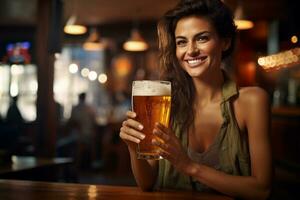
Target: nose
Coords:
[(193, 49)]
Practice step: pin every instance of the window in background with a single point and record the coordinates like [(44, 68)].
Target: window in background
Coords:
[(21, 80), (77, 71)]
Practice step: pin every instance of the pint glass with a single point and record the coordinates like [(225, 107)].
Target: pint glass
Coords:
[(151, 101)]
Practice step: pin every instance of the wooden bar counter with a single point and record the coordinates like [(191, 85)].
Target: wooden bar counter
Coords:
[(37, 169), (21, 190)]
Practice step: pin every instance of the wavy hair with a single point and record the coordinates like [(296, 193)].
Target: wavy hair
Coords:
[(183, 91)]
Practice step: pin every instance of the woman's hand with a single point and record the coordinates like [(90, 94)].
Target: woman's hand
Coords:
[(171, 148), (130, 130)]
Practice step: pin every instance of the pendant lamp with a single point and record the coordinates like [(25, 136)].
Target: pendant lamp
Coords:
[(136, 42), (72, 26), (240, 20), (93, 42)]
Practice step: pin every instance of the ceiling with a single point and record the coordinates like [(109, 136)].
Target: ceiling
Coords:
[(106, 11), (97, 12), (88, 12)]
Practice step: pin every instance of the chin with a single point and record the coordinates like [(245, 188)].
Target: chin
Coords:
[(196, 75), (196, 72)]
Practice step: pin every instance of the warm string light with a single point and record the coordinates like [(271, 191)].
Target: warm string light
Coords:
[(73, 68), (102, 78), (294, 39), (86, 73), (280, 60), (92, 75)]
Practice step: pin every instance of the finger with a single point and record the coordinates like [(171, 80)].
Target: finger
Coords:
[(162, 127), (161, 134), (130, 114), (160, 144), (134, 124), (127, 137), (132, 132), (168, 147)]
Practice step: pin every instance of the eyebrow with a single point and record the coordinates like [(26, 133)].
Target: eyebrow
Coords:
[(198, 34)]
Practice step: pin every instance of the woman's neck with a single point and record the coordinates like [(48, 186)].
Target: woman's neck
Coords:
[(208, 88)]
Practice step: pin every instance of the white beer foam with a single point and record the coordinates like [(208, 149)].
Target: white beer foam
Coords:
[(151, 88)]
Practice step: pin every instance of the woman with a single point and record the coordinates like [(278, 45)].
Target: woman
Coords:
[(217, 140)]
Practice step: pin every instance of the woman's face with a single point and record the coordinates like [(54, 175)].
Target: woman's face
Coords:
[(198, 46)]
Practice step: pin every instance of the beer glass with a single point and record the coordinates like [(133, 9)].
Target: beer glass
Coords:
[(151, 101)]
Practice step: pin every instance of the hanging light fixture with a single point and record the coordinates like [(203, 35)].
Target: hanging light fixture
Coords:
[(136, 42), (240, 19), (93, 42), (72, 27)]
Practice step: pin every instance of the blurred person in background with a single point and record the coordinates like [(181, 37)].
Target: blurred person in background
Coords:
[(83, 121), (113, 151), (13, 114), (13, 127), (216, 141)]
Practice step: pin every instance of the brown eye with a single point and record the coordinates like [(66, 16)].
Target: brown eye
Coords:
[(180, 42), (202, 38)]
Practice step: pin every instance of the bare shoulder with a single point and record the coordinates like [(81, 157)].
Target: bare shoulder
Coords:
[(252, 103), (253, 96), (253, 109)]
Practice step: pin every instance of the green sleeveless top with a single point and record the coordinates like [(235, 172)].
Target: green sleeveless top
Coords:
[(232, 148)]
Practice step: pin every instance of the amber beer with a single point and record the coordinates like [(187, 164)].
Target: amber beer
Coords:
[(151, 100)]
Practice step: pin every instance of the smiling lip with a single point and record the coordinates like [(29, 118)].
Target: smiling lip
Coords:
[(196, 61)]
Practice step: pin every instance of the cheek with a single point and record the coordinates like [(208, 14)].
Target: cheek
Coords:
[(180, 52), (209, 48), (214, 50)]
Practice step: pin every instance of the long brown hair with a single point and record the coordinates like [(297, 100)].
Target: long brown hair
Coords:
[(183, 91)]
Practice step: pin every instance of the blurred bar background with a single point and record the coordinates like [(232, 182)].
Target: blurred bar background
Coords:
[(47, 68)]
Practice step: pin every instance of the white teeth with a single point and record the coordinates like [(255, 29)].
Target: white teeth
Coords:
[(194, 61)]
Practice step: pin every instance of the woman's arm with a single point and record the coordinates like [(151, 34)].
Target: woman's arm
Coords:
[(144, 171), (255, 107)]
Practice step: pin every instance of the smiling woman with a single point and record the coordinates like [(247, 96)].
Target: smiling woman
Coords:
[(215, 141), (197, 43)]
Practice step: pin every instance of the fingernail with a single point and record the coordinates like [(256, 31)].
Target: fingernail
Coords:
[(143, 136), (141, 127)]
